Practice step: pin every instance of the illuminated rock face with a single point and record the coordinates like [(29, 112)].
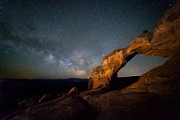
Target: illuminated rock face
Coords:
[(163, 41), (112, 63)]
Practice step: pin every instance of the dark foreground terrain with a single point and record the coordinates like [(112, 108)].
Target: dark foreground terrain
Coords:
[(20, 94), (20, 101), (17, 95)]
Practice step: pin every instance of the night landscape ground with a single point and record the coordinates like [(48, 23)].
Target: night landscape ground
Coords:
[(65, 60), (21, 94), (14, 91)]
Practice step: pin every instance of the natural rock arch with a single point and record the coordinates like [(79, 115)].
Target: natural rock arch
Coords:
[(163, 41), (112, 63)]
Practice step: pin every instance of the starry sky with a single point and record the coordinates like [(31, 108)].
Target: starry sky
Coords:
[(68, 38)]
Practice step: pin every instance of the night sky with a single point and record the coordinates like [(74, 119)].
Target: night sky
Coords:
[(68, 38)]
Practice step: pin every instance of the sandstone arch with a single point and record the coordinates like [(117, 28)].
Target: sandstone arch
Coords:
[(163, 41)]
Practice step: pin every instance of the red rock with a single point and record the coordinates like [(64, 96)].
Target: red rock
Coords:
[(163, 41)]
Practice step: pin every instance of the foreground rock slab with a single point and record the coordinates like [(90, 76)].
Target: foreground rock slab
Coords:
[(105, 105)]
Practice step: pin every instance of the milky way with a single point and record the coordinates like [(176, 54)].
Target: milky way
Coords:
[(68, 38)]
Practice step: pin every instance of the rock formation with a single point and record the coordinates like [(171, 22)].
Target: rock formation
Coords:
[(73, 91), (163, 41)]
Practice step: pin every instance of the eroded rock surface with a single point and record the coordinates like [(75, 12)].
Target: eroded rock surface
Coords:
[(163, 41)]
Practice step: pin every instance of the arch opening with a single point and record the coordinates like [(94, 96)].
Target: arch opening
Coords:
[(140, 64)]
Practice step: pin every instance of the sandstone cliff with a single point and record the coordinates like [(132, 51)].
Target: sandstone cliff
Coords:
[(163, 41)]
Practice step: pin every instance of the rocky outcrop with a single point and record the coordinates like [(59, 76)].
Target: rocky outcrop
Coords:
[(161, 80), (163, 41)]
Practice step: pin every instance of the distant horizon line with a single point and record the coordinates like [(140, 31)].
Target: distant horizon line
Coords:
[(58, 78)]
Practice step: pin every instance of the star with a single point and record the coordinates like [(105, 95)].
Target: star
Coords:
[(57, 37)]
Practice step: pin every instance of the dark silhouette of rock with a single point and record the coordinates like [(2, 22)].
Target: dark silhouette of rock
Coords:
[(69, 108), (163, 41)]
